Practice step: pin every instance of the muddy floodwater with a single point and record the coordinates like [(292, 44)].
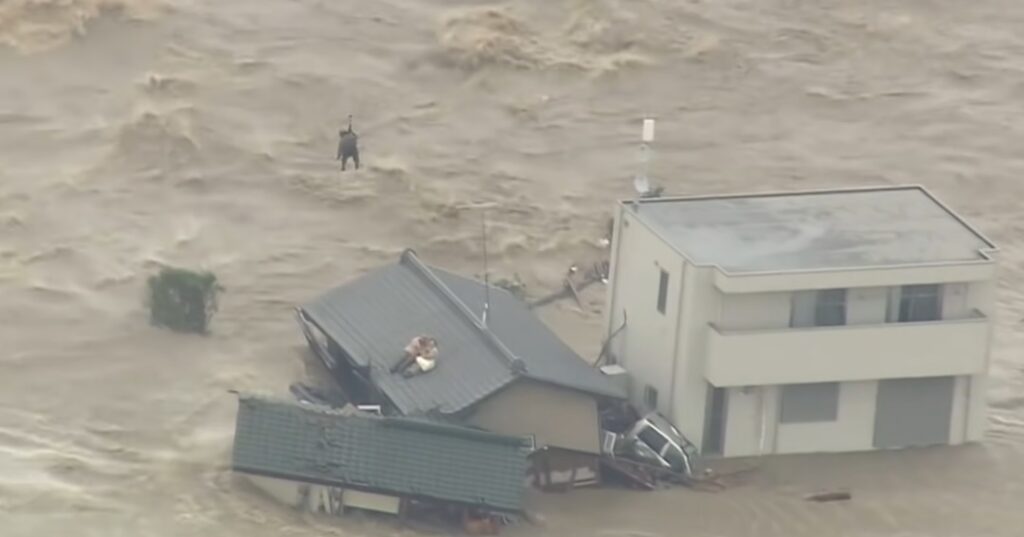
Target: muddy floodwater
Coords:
[(202, 133)]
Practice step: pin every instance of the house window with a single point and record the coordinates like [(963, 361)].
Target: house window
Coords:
[(830, 307), (651, 397), (808, 403), (662, 291), (920, 303), (826, 307)]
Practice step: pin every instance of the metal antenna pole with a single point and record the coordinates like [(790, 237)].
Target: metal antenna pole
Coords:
[(487, 285), (641, 183)]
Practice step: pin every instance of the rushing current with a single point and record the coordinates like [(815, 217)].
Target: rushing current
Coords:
[(141, 133)]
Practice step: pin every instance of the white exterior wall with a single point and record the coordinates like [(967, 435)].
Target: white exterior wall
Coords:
[(647, 345), (978, 271), (853, 430), (755, 311), (753, 414), (980, 296), (322, 499), (847, 353), (750, 425), (701, 306)]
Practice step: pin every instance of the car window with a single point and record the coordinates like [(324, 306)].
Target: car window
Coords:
[(664, 426), (653, 438), (646, 454), (675, 459)]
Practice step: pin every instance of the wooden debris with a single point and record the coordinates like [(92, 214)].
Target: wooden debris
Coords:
[(575, 293), (571, 288), (836, 496), (637, 474)]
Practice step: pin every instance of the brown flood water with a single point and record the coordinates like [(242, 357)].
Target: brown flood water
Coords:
[(135, 133)]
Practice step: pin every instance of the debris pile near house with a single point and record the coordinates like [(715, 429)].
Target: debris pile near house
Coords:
[(643, 451), (504, 372), (453, 435), (574, 283)]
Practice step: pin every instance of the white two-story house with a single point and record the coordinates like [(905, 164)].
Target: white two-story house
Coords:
[(837, 320)]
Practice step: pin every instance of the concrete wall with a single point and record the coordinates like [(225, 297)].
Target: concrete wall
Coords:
[(679, 352), (753, 414), (554, 416), (842, 353), (701, 305), (958, 421), (647, 345), (853, 430), (755, 310), (980, 271), (977, 408), (750, 426), (981, 297)]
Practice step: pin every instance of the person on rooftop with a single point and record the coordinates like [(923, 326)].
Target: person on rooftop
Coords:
[(420, 357)]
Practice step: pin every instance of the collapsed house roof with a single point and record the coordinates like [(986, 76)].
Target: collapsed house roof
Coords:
[(373, 317), (399, 456)]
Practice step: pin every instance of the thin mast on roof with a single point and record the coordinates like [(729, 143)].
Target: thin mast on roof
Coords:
[(641, 183)]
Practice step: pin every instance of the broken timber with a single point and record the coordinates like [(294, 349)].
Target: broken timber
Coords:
[(570, 288), (636, 474), (829, 496)]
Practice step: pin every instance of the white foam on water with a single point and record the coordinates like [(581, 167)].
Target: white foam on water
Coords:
[(140, 134)]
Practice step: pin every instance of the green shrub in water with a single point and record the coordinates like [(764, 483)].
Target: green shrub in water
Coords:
[(183, 300)]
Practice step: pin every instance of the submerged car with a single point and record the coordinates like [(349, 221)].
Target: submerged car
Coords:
[(653, 438)]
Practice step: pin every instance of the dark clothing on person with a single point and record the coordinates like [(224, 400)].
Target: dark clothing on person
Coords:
[(348, 147)]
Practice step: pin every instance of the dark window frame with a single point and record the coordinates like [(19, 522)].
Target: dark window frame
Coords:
[(802, 405), (651, 397), (830, 307), (920, 303), (650, 436), (662, 291)]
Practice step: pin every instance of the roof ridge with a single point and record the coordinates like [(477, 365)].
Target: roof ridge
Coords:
[(514, 363)]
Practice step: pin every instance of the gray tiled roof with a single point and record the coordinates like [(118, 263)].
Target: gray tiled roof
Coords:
[(392, 455), (375, 316), (547, 357)]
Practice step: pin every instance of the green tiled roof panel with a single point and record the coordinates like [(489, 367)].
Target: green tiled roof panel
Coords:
[(394, 455)]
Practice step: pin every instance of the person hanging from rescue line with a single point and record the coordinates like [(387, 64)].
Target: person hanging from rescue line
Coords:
[(348, 146), (420, 357)]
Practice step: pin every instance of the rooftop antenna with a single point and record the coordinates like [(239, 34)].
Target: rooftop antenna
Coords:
[(641, 183), (487, 285)]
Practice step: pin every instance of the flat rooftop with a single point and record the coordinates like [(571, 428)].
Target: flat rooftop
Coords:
[(811, 230)]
